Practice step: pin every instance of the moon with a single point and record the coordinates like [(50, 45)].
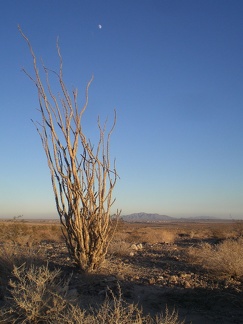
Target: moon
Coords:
[(99, 26)]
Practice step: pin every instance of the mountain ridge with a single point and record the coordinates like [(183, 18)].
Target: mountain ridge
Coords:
[(144, 217), (155, 217)]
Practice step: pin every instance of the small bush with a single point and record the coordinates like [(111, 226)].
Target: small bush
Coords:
[(116, 311), (168, 318), (15, 255), (223, 258), (119, 248), (159, 236), (38, 295)]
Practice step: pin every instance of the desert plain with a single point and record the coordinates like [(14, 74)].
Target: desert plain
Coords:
[(192, 269)]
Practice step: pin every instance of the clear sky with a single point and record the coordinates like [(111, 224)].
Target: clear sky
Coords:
[(173, 69)]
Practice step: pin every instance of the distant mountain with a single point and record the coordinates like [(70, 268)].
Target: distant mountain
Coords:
[(148, 217), (198, 219), (203, 217), (145, 217)]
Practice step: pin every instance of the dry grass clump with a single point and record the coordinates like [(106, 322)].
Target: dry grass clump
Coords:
[(167, 318), (119, 248), (224, 233), (116, 311), (121, 243), (148, 235), (153, 236), (12, 255), (38, 295), (223, 258)]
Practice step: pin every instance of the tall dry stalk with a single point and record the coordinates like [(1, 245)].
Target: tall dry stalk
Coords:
[(81, 174)]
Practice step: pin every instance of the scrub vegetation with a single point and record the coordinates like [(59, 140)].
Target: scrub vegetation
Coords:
[(171, 272)]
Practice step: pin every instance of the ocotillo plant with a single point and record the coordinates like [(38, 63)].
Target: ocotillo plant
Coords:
[(81, 173)]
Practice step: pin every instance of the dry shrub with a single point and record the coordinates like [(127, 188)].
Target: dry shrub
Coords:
[(134, 236), (115, 310), (158, 236), (119, 248), (121, 236), (120, 244), (38, 295), (15, 255), (239, 229), (223, 258), (199, 233), (222, 233), (150, 235), (167, 318)]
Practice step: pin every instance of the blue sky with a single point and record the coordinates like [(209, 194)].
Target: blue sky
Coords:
[(174, 72)]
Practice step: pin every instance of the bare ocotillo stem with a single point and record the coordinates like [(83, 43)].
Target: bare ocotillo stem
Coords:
[(81, 173)]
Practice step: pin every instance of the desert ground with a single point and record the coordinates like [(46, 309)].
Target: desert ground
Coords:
[(193, 270)]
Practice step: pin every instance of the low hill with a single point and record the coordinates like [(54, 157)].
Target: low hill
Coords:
[(145, 217)]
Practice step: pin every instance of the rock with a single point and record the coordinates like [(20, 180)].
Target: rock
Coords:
[(134, 247), (184, 275), (187, 284), (173, 278), (140, 246), (152, 281)]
